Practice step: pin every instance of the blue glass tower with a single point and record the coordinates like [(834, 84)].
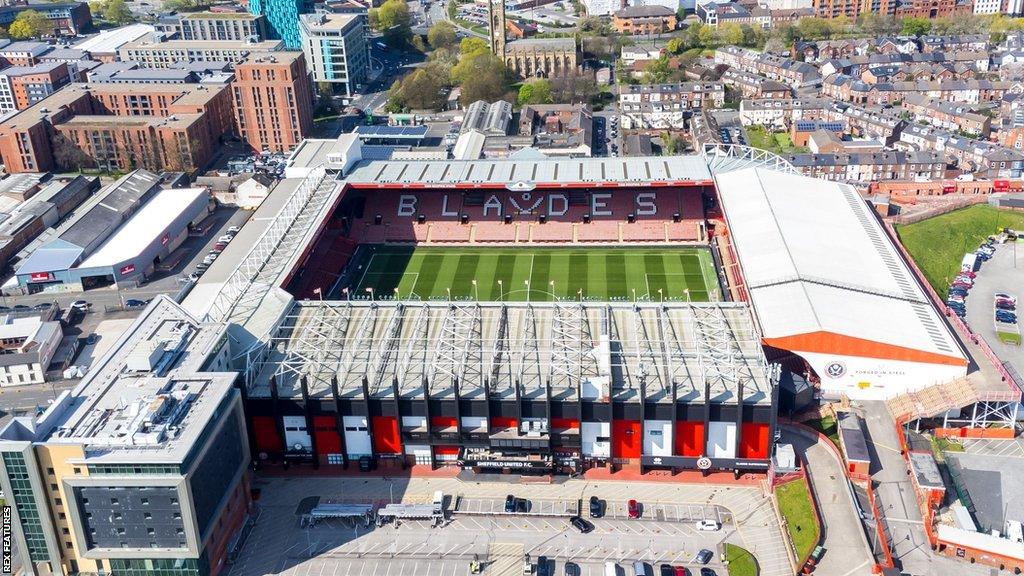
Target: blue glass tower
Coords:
[(282, 18)]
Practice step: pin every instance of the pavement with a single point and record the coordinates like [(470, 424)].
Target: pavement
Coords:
[(847, 551), (665, 532)]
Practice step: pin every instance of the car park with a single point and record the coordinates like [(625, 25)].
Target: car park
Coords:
[(226, 238), (572, 569), (666, 570), (633, 509)]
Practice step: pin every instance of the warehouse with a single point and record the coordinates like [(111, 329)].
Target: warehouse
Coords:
[(117, 239), (827, 284)]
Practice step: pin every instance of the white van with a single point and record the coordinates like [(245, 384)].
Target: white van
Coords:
[(640, 569), (611, 569)]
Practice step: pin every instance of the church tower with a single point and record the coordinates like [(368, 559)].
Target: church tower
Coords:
[(496, 26)]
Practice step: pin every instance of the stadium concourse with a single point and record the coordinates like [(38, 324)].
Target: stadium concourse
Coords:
[(497, 354)]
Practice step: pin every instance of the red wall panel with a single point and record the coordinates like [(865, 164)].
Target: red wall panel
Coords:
[(443, 421), (326, 436), (267, 438), (446, 450), (386, 439), (503, 422), (689, 439), (627, 439), (565, 423), (754, 440)]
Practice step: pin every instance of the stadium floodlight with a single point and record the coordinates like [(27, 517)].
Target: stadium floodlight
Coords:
[(476, 290), (686, 292), (449, 290), (527, 283), (634, 295), (395, 290), (501, 292), (373, 295)]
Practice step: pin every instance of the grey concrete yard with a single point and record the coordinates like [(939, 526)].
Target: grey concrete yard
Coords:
[(665, 534)]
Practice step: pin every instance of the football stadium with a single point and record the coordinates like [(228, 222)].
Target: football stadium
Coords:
[(538, 315)]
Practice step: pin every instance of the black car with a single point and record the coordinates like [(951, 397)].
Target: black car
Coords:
[(1005, 306), (43, 306), (667, 570), (707, 572), (596, 507), (510, 504), (21, 307), (543, 568), (572, 569), (704, 556), (580, 524), (132, 303), (522, 505)]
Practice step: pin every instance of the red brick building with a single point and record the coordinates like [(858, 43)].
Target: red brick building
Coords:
[(273, 101)]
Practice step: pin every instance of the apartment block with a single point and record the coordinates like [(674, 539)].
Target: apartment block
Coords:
[(273, 101), (171, 53), (235, 26), (23, 86)]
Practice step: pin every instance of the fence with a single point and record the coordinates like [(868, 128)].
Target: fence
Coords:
[(941, 208)]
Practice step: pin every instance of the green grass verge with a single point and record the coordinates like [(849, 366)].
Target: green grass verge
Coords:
[(827, 426), (941, 445), (1009, 338), (601, 273), (795, 505), (938, 244), (740, 562), (777, 142)]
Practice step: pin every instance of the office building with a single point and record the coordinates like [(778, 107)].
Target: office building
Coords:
[(141, 469), (336, 49)]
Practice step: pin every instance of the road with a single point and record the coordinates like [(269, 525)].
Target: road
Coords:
[(847, 552), (18, 399)]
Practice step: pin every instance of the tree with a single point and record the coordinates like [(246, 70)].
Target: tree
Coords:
[(674, 45), (422, 90), (913, 26), (473, 46), (535, 92), (731, 33), (657, 71), (442, 35), (706, 37), (30, 24), (67, 154), (392, 19), (117, 12)]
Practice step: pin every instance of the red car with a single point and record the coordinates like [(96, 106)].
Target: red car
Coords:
[(634, 509), (680, 571)]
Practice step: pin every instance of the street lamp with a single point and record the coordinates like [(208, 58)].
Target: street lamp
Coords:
[(395, 290), (686, 291), (449, 290), (551, 284), (661, 296)]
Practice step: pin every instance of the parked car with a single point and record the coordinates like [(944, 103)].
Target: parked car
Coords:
[(962, 292), (219, 247), (233, 229), (960, 285), (969, 273), (596, 507), (708, 526), (133, 303), (707, 572), (580, 524), (43, 306), (704, 556), (226, 238), (951, 300), (633, 508), (964, 280), (1007, 317), (1004, 305), (543, 566), (572, 569), (510, 504), (680, 571), (522, 505), (80, 304), (1005, 296), (202, 266), (194, 277)]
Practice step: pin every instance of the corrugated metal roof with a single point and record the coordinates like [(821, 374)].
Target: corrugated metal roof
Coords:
[(815, 258), (547, 172)]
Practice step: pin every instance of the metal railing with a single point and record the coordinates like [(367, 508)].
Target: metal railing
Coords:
[(744, 156)]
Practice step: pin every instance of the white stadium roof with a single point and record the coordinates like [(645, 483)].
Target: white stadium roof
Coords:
[(816, 260)]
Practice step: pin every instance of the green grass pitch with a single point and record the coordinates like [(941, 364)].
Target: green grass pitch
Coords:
[(503, 273)]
